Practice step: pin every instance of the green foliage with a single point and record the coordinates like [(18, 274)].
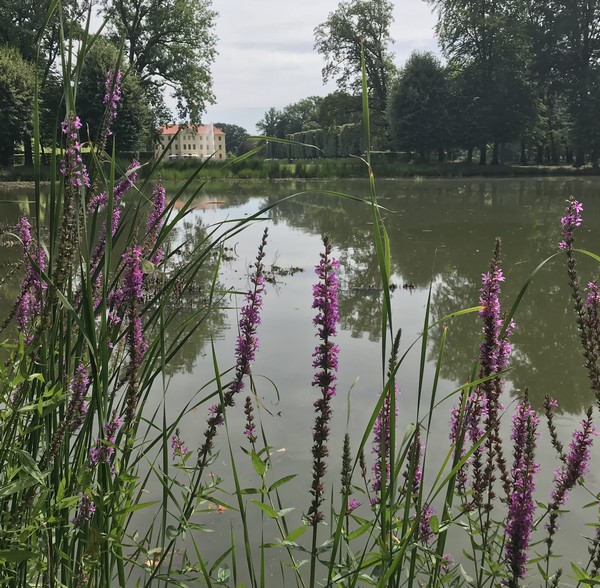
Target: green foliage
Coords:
[(133, 127), (356, 24), (170, 44), (236, 138), (418, 106), (17, 85)]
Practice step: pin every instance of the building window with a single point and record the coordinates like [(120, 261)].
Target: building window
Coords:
[(194, 146)]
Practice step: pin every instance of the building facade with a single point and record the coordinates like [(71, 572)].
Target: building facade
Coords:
[(199, 141)]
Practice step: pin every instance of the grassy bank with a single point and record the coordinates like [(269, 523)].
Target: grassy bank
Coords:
[(260, 169)]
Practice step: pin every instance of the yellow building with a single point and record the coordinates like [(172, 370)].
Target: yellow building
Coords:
[(200, 141)]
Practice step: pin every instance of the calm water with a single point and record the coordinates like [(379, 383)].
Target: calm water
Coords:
[(441, 233)]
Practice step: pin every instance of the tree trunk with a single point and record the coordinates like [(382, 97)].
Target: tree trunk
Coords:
[(483, 155), (28, 149), (568, 155), (7, 151), (579, 156), (470, 154), (496, 153), (523, 153), (440, 155), (539, 155)]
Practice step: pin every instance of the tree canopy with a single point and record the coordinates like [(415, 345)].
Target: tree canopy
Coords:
[(171, 44), (339, 39), (17, 83), (418, 105), (132, 127)]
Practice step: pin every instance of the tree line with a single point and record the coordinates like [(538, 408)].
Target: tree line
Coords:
[(518, 75)]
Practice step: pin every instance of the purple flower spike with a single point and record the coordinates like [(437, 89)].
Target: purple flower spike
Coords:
[(155, 224), (326, 362), (245, 350), (85, 511), (72, 166), (577, 462), (113, 92), (178, 446), (382, 442), (521, 507), (33, 289), (79, 388), (103, 450), (325, 295), (570, 222)]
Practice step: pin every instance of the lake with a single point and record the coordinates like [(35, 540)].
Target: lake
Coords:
[(442, 235)]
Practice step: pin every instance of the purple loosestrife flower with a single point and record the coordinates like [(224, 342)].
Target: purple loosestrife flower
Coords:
[(250, 426), (521, 504), (426, 533), (155, 224), (493, 357), (33, 289), (77, 405), (382, 442), (103, 450), (85, 511), (325, 294), (352, 505), (178, 447), (577, 462), (570, 222), (72, 166), (136, 344), (113, 93), (245, 351)]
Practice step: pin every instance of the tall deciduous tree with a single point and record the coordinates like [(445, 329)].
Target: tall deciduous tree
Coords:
[(17, 82), (339, 40), (418, 105), (171, 44), (132, 126), (488, 38)]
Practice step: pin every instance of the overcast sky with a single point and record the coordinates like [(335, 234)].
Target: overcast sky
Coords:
[(266, 56)]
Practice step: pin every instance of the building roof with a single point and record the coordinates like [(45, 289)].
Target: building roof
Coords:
[(199, 129)]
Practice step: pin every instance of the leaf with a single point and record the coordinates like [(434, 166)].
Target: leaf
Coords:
[(259, 466), (266, 508), (464, 574), (15, 555), (358, 532), (434, 523), (296, 533), (138, 506), (281, 482), (285, 511)]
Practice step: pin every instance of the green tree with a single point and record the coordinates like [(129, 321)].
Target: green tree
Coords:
[(235, 137), (339, 108), (171, 44), (17, 83), (489, 38), (133, 126), (580, 43), (339, 40), (418, 103)]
